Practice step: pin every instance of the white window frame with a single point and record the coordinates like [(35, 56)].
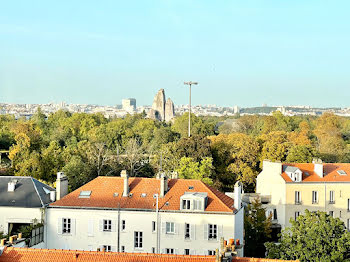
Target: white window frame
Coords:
[(331, 197), (107, 248), (348, 224), (123, 225), (314, 197), (331, 213), (138, 239), (212, 231), (66, 226), (170, 228), (297, 197), (170, 251), (211, 252), (187, 231), (296, 215), (186, 204), (188, 253), (122, 249), (154, 226), (107, 225), (348, 204)]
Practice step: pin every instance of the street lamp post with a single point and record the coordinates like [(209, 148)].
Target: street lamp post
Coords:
[(190, 83)]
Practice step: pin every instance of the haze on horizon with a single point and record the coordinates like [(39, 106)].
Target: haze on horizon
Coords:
[(241, 52)]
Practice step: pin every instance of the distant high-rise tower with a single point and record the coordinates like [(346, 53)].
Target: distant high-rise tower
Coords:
[(161, 110), (129, 104)]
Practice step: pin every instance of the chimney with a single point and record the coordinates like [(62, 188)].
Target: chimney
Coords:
[(318, 167), (52, 196), (61, 186), (238, 190), (125, 177), (11, 186), (163, 185)]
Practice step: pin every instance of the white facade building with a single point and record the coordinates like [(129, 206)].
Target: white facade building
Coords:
[(145, 215), (22, 202)]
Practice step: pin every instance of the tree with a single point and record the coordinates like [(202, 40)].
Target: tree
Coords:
[(134, 156), (300, 154), (198, 126), (190, 169), (315, 236), (196, 147), (257, 228), (275, 146)]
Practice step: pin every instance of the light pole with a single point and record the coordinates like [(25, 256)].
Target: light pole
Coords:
[(190, 83)]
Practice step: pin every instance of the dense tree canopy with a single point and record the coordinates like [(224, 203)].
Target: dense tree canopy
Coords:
[(315, 236)]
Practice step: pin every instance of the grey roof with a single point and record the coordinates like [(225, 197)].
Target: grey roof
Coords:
[(29, 192), (291, 169)]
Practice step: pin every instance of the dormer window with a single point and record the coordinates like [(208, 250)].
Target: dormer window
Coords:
[(193, 201), (186, 204)]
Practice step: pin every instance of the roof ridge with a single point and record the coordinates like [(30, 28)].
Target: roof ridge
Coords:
[(212, 190), (37, 192)]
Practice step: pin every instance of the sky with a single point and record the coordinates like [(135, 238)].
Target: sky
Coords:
[(242, 52)]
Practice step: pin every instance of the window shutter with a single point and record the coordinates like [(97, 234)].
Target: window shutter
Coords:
[(73, 225), (193, 232), (113, 226), (91, 228), (163, 250), (100, 228), (176, 251), (59, 226), (220, 232), (163, 227), (205, 231), (176, 225)]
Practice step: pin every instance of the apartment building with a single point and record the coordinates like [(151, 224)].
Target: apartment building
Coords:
[(22, 202), (287, 190), (145, 215)]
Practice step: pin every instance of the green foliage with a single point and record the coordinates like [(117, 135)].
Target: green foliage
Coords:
[(257, 228), (198, 126), (315, 236), (190, 169)]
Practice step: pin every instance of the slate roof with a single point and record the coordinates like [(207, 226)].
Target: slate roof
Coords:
[(12, 254), (330, 171), (106, 192), (29, 192)]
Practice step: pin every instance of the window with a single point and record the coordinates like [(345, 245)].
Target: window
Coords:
[(331, 197), (297, 197), (348, 223), (84, 194), (153, 250), (197, 204), (138, 239), (66, 225), (123, 225), (297, 213), (123, 249), (213, 231), (348, 204), (153, 226), (107, 248), (331, 213), (187, 231), (339, 213), (107, 225), (169, 251), (186, 251), (211, 252), (314, 197), (170, 227), (186, 204), (275, 214)]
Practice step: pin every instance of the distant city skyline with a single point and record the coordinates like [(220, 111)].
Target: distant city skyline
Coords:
[(241, 53)]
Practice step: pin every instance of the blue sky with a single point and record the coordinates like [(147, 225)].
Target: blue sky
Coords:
[(245, 52)]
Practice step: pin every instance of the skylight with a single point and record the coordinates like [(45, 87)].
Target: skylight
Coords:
[(341, 172), (84, 194), (190, 187), (143, 195)]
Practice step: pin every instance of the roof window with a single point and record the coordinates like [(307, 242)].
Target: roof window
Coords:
[(191, 187), (341, 172), (116, 194), (143, 195), (84, 194)]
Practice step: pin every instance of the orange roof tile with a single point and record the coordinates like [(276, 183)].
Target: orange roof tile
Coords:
[(104, 189), (329, 169), (13, 254)]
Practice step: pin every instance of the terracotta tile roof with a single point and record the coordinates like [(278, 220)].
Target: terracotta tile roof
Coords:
[(13, 254), (104, 189), (330, 172)]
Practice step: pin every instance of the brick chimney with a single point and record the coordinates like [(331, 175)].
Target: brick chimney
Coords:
[(61, 185), (125, 177)]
